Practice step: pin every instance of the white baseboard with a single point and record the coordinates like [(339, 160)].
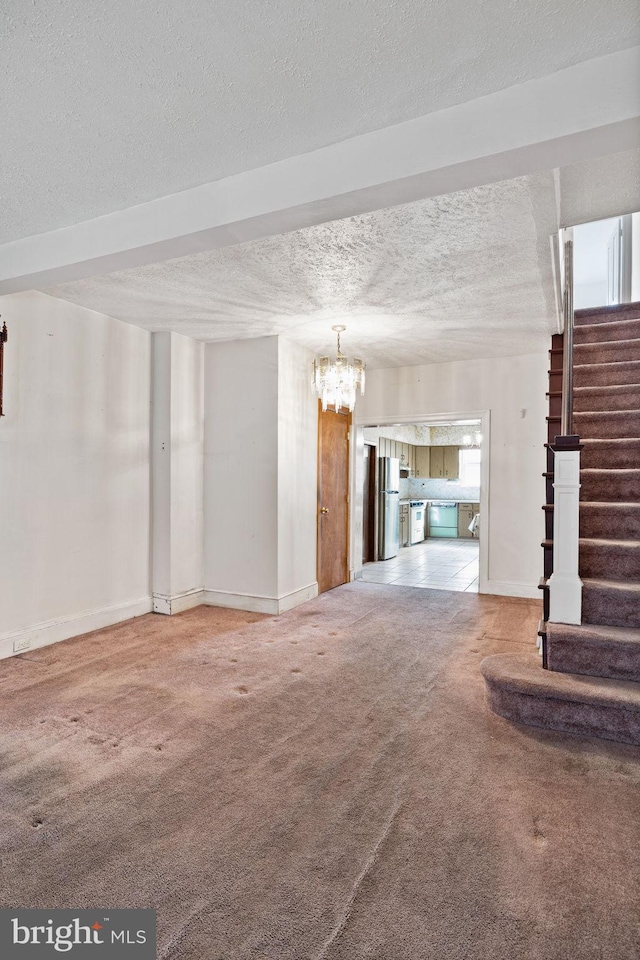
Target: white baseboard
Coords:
[(294, 599), (260, 604), (63, 628), (503, 588), (177, 602)]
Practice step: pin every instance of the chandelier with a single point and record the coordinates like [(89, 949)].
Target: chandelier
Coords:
[(336, 381)]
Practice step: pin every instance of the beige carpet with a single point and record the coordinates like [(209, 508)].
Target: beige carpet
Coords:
[(323, 784)]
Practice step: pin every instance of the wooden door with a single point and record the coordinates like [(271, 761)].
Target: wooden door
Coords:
[(333, 498)]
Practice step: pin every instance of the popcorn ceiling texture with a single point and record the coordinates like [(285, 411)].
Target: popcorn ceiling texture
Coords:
[(454, 434), (447, 278), (422, 435), (417, 434), (112, 104)]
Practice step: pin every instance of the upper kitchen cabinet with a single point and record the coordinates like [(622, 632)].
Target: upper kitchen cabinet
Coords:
[(422, 461), (451, 463), (411, 458), (436, 462), (443, 463)]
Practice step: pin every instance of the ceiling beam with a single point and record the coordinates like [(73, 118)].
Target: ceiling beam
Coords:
[(588, 110)]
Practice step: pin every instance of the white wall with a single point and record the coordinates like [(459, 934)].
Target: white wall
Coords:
[(177, 468), (635, 257), (590, 261), (241, 469), (74, 471), (297, 471), (504, 387), (260, 475)]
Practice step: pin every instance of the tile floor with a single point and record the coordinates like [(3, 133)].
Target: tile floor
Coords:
[(435, 564)]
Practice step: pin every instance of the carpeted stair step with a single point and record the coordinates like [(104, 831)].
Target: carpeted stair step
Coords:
[(621, 311), (611, 603), (605, 520), (594, 650), (519, 689), (624, 396), (606, 485), (622, 453), (606, 374), (606, 351), (609, 559), (600, 332), (607, 423)]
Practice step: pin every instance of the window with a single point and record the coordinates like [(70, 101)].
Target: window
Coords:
[(469, 466)]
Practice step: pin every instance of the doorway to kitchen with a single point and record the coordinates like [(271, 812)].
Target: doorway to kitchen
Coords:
[(424, 506)]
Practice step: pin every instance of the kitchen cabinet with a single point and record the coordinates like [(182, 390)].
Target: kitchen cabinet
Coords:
[(403, 452), (422, 461), (443, 463), (466, 513), (451, 463), (404, 524), (436, 462)]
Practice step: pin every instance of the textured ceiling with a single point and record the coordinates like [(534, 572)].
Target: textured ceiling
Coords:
[(105, 105), (448, 278)]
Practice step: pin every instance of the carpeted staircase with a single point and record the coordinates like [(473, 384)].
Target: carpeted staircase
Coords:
[(592, 685)]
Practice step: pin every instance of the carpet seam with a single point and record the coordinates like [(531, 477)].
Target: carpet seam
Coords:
[(368, 866)]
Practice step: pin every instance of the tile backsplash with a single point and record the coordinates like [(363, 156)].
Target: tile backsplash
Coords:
[(427, 489)]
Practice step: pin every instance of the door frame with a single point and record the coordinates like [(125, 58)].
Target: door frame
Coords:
[(372, 488), (432, 419)]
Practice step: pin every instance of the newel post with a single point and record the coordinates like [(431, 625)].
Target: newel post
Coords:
[(565, 586)]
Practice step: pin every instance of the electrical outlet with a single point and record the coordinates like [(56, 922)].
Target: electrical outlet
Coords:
[(22, 644)]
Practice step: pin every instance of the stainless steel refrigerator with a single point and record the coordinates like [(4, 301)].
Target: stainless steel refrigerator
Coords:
[(388, 507)]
